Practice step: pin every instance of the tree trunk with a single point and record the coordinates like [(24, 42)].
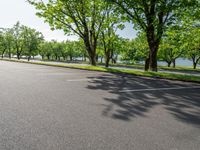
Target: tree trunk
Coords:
[(97, 58), (194, 65), (19, 51), (18, 56), (101, 59), (195, 61), (92, 57), (107, 60), (169, 63), (93, 61), (9, 54), (174, 63), (153, 37), (83, 58), (64, 58), (114, 61), (107, 53), (29, 57), (146, 66), (153, 48), (2, 55), (71, 58), (153, 58), (107, 63), (48, 57), (91, 48)]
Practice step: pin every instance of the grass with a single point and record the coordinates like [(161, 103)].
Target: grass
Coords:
[(178, 68), (140, 66), (162, 75), (136, 66)]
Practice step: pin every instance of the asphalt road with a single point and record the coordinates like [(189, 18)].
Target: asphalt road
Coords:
[(49, 108)]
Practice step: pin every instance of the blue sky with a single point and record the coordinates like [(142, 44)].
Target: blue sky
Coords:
[(19, 10)]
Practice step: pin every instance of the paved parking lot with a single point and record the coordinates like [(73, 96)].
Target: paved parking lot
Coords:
[(50, 108)]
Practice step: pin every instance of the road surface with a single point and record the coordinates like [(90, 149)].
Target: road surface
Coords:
[(50, 108)]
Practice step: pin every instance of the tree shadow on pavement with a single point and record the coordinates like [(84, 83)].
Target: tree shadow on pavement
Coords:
[(183, 104)]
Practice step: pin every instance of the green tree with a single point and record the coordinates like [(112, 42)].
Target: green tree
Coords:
[(81, 17), (192, 32), (31, 41), (71, 49), (136, 49), (192, 44), (9, 41), (3, 45), (108, 36), (46, 50), (6, 41), (171, 47), (18, 43), (152, 17), (57, 49), (79, 50)]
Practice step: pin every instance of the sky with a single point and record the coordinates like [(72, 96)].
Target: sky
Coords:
[(20, 10)]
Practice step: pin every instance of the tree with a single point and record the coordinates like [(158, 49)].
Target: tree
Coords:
[(192, 32), (80, 50), (31, 41), (192, 45), (43, 49), (81, 17), (109, 38), (108, 35), (71, 49), (3, 45), (171, 46), (18, 43), (118, 46), (152, 17), (136, 49), (6, 41), (57, 49)]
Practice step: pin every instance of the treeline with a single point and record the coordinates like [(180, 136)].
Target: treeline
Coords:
[(22, 41)]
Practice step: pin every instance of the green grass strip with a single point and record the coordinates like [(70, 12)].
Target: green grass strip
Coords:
[(171, 76)]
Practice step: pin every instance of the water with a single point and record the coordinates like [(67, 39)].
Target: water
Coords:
[(179, 62)]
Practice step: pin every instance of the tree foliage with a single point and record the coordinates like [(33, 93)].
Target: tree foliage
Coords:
[(84, 18), (152, 17)]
